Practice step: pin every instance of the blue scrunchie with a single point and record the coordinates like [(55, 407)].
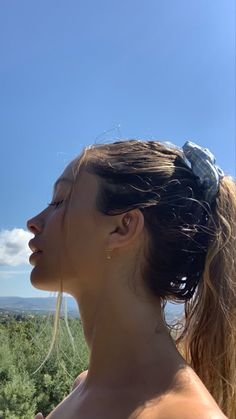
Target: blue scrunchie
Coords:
[(202, 163)]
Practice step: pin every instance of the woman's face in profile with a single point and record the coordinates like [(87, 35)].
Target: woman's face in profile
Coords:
[(73, 249)]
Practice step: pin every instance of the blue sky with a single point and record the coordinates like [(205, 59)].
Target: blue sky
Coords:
[(75, 72)]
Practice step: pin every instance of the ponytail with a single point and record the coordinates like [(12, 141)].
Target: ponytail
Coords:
[(208, 341)]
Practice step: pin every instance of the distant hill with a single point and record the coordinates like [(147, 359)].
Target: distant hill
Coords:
[(48, 304), (39, 305)]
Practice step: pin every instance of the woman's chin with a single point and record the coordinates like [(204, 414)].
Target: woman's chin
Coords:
[(42, 283)]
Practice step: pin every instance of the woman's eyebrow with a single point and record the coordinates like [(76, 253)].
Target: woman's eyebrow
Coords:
[(61, 179)]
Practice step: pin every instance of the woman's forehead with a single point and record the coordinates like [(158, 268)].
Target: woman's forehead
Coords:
[(66, 177), (69, 171), (86, 182), (71, 167)]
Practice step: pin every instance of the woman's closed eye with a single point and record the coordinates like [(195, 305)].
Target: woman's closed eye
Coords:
[(56, 203)]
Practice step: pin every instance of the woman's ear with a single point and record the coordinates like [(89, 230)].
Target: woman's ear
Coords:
[(129, 227)]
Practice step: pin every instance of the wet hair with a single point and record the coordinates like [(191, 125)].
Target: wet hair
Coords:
[(191, 252)]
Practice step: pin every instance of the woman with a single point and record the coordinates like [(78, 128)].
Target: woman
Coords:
[(133, 224)]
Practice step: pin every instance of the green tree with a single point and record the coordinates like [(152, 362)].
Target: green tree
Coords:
[(24, 344)]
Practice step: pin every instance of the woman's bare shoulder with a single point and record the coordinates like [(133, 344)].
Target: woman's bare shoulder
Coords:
[(174, 407)]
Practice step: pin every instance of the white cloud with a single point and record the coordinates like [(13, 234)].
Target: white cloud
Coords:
[(14, 249)]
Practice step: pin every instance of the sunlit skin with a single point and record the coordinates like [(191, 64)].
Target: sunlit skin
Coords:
[(132, 356)]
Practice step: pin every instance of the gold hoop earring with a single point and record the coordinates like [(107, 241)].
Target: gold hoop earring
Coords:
[(127, 222), (108, 250)]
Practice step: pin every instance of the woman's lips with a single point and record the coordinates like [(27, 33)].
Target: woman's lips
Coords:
[(35, 255), (33, 246)]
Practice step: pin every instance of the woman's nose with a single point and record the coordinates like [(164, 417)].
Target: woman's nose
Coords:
[(33, 225)]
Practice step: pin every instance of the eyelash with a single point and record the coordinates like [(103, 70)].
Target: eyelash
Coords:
[(55, 203)]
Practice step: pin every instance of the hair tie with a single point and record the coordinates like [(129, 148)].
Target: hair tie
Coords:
[(202, 163)]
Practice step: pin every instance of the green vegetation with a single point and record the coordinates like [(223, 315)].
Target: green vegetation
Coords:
[(24, 344)]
